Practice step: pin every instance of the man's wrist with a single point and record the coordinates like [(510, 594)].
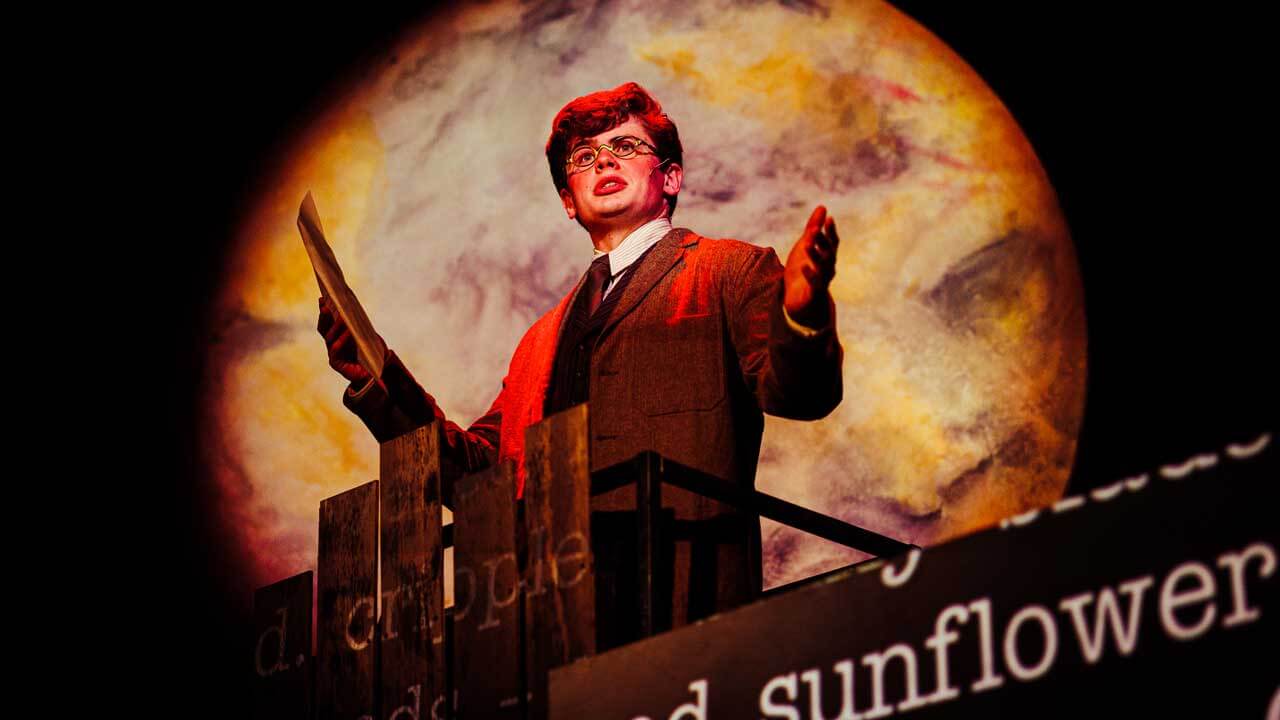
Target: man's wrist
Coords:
[(798, 328)]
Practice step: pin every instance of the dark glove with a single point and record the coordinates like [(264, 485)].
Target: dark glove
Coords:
[(341, 345)]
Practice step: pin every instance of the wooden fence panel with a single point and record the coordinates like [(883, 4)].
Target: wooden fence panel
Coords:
[(345, 683), (282, 662), (559, 580), (486, 590), (412, 625)]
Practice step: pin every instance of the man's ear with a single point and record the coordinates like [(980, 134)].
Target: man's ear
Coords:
[(673, 179), (566, 197)]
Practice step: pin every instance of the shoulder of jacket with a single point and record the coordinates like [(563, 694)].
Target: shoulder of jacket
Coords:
[(727, 248)]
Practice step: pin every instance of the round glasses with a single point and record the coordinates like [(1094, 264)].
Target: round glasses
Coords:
[(584, 156)]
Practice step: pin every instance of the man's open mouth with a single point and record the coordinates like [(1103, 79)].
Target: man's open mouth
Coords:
[(609, 185)]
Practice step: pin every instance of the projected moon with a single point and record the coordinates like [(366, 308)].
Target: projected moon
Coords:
[(958, 293)]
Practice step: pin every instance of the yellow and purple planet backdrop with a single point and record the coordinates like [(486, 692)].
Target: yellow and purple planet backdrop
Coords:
[(959, 299)]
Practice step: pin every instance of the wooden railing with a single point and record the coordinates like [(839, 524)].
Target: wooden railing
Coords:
[(524, 582), (1155, 592)]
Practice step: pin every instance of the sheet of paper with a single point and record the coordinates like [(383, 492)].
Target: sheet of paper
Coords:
[(370, 350)]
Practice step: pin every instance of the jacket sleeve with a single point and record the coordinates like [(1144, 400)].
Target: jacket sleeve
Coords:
[(792, 375), (394, 404)]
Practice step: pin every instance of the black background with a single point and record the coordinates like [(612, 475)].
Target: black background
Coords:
[(1150, 126)]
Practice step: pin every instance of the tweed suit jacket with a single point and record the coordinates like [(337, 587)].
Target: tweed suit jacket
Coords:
[(695, 351)]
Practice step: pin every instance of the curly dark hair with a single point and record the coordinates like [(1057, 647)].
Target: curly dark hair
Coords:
[(592, 114)]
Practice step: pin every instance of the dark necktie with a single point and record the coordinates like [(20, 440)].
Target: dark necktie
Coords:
[(597, 279)]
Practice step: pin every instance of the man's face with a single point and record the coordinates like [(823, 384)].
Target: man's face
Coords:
[(620, 194)]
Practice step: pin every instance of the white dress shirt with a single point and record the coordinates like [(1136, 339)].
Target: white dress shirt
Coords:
[(631, 248)]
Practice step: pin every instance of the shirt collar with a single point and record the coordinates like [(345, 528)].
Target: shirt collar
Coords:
[(634, 245)]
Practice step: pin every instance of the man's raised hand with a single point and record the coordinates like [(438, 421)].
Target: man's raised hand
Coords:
[(810, 267), (341, 345)]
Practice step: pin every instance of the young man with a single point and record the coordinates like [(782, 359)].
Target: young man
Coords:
[(680, 343)]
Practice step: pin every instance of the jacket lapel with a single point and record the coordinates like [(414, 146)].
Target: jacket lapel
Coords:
[(664, 256)]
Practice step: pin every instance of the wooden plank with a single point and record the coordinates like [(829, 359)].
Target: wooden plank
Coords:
[(559, 579), (450, 684), (412, 626), (348, 557), (486, 587), (282, 659)]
